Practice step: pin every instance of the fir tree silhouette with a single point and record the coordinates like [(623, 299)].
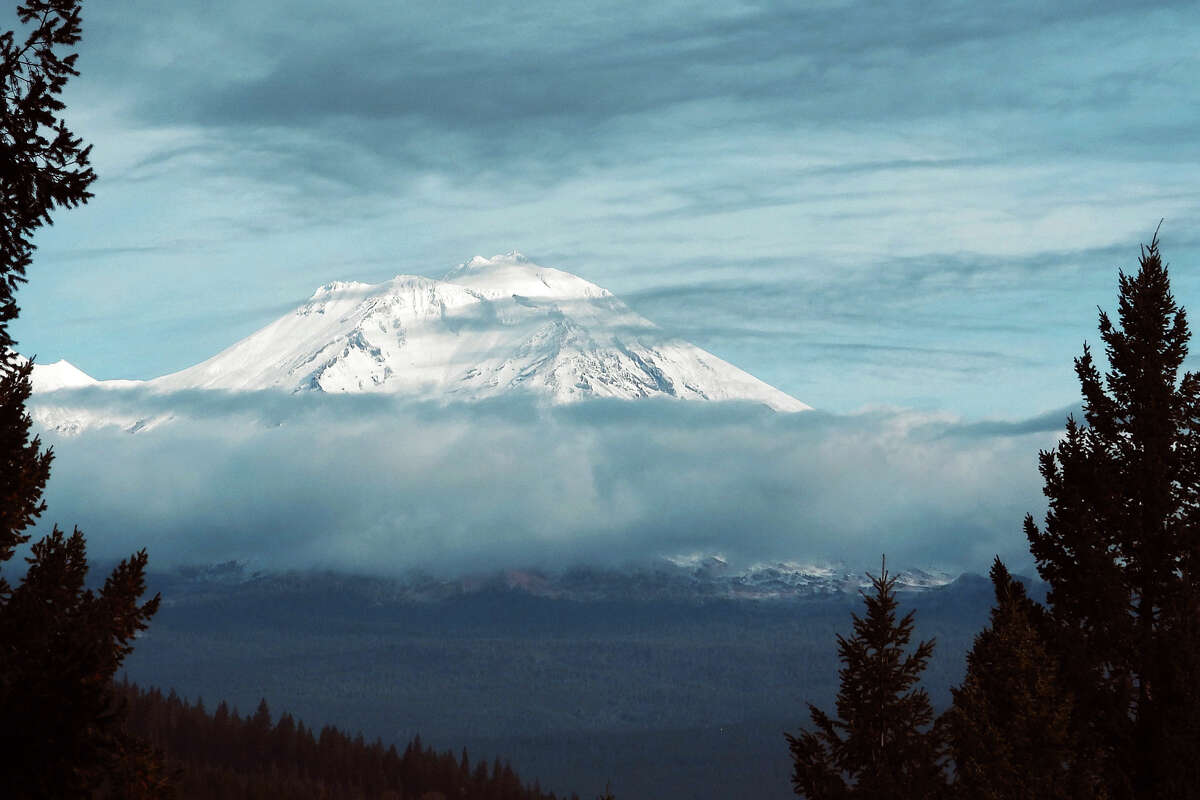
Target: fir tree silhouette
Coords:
[(881, 745), (1120, 546)]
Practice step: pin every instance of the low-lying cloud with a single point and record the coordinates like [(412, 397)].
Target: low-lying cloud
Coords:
[(374, 484)]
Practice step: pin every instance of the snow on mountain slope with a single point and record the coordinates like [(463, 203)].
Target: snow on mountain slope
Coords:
[(59, 375), (658, 579), (489, 327), (56, 404)]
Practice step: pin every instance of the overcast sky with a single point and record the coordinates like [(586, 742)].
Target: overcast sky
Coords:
[(912, 205)]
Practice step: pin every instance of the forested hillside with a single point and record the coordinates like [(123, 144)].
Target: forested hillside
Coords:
[(221, 754)]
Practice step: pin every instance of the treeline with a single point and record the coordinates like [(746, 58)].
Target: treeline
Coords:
[(220, 754)]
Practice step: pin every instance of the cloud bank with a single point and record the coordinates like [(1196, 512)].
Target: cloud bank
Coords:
[(372, 484)]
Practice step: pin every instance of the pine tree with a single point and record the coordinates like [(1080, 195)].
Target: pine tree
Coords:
[(60, 644), (1120, 549), (45, 165), (882, 745), (1010, 729)]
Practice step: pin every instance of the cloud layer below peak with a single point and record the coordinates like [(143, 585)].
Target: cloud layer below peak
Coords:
[(372, 484)]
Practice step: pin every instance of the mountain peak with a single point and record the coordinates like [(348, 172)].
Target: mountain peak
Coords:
[(337, 287), (490, 327), (62, 374), (512, 275), (476, 263)]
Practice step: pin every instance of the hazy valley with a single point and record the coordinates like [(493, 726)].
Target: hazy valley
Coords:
[(668, 688)]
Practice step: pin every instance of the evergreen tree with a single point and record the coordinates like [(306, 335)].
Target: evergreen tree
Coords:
[(45, 165), (1010, 729), (60, 644), (882, 745), (1120, 549)]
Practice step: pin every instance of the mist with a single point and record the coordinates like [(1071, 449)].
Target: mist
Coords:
[(383, 486)]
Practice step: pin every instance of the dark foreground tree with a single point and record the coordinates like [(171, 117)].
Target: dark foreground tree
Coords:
[(882, 745), (1120, 545), (60, 644), (45, 166), (1011, 727)]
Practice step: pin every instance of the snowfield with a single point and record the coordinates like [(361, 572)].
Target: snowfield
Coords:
[(488, 328)]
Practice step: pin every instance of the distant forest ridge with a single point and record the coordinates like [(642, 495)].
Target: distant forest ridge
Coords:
[(225, 756)]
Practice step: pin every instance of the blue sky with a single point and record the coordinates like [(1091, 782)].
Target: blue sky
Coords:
[(864, 204)]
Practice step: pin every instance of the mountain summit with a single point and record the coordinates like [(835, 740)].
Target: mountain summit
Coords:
[(489, 327)]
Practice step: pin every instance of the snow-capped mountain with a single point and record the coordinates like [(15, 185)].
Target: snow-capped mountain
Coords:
[(490, 327)]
